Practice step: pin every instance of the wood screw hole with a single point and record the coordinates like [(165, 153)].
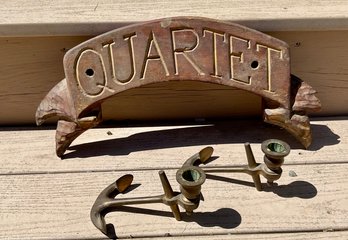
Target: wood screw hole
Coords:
[(89, 72), (254, 64)]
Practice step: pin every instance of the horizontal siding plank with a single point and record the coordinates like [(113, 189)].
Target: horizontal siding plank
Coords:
[(32, 66), (73, 18)]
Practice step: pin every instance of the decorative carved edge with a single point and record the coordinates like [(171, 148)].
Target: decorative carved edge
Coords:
[(296, 121), (58, 103), (67, 132)]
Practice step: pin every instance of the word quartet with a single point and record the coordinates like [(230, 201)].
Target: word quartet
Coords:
[(176, 49)]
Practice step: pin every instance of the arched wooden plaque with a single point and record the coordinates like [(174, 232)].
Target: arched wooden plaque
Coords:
[(177, 49)]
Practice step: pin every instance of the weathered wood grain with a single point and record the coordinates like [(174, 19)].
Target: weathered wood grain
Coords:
[(56, 206), (73, 18), (109, 149), (29, 68)]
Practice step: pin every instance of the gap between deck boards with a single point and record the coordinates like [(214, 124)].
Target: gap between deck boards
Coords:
[(329, 234), (313, 201), (151, 169)]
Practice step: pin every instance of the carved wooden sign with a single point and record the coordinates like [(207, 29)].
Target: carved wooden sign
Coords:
[(180, 49)]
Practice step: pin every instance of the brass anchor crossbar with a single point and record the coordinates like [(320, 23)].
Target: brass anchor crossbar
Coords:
[(190, 178), (177, 49)]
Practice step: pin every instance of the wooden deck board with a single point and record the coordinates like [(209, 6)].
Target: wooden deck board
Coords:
[(43, 197), (33, 151), (56, 206)]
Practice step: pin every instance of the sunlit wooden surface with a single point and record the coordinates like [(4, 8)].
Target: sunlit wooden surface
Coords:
[(44, 197)]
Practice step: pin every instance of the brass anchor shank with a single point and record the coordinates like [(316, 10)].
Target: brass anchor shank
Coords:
[(189, 177)]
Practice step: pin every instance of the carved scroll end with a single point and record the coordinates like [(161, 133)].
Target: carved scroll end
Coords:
[(304, 97), (56, 103), (67, 132), (297, 125)]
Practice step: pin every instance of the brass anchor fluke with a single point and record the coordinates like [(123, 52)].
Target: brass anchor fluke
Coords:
[(275, 150), (189, 177)]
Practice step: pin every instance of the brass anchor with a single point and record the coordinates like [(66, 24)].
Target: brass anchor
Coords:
[(188, 176), (190, 179)]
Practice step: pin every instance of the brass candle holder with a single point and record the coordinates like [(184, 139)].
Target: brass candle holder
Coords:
[(275, 150), (190, 178)]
